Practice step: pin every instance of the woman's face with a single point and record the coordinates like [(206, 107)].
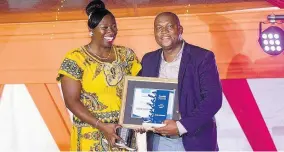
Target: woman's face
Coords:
[(105, 32)]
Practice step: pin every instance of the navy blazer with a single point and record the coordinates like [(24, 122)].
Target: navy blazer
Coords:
[(200, 95)]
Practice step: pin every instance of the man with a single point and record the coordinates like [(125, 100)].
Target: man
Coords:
[(200, 92)]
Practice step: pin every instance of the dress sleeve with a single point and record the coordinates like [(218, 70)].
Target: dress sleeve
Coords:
[(133, 63), (71, 66)]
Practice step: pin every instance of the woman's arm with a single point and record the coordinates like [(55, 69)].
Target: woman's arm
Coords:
[(71, 90)]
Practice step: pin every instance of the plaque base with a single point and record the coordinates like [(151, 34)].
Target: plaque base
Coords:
[(151, 126)]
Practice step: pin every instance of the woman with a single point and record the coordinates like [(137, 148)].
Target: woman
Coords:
[(92, 81)]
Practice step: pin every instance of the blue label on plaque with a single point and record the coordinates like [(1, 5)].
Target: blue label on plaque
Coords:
[(160, 106), (153, 105)]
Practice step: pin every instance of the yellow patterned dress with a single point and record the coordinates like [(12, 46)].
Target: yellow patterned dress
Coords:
[(101, 93)]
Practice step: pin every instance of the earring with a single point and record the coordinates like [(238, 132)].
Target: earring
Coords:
[(91, 33)]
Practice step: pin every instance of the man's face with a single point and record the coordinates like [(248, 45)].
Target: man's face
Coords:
[(167, 31)]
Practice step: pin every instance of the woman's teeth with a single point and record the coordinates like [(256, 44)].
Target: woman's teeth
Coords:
[(108, 38)]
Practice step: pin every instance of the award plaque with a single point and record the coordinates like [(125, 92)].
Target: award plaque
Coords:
[(128, 137), (147, 102), (127, 142)]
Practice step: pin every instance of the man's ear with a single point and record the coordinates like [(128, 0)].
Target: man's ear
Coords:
[(180, 30)]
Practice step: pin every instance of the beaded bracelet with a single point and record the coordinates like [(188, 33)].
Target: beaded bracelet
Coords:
[(97, 123)]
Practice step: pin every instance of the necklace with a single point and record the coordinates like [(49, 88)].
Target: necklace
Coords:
[(101, 58)]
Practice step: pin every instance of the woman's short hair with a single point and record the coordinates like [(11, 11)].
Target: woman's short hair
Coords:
[(96, 11)]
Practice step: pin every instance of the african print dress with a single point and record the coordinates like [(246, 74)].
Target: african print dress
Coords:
[(102, 86)]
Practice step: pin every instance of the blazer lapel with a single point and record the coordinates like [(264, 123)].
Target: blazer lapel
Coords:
[(156, 64), (183, 65)]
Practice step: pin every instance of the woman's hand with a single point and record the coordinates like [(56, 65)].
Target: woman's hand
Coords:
[(109, 131)]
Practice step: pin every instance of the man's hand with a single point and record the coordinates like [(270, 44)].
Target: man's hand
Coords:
[(140, 130), (170, 129)]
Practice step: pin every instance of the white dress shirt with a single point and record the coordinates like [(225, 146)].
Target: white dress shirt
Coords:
[(170, 70)]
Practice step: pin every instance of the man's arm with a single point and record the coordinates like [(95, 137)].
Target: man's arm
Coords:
[(211, 96), (145, 56)]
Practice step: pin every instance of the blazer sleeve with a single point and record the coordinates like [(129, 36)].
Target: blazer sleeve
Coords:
[(141, 73), (211, 96)]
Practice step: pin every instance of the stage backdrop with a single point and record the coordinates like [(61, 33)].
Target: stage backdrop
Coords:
[(33, 114)]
